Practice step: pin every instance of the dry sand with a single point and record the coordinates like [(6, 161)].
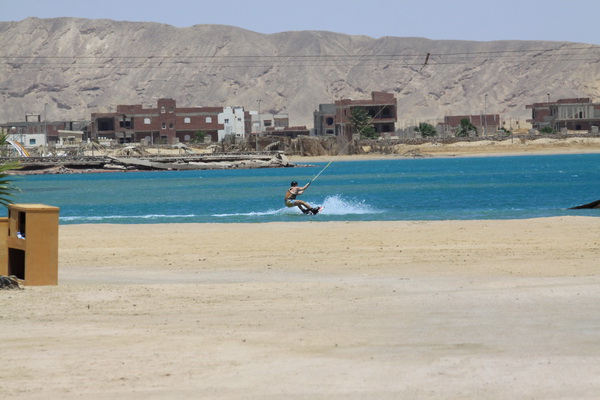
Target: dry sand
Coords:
[(482, 148), (312, 310)]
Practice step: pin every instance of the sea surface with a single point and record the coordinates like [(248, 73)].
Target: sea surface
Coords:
[(384, 190)]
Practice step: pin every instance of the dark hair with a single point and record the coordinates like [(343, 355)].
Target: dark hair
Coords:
[(294, 183)]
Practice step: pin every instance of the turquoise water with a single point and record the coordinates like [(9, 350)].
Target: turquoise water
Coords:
[(403, 189)]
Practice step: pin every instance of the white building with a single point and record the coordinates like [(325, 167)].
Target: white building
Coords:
[(232, 119), (266, 121), (27, 137)]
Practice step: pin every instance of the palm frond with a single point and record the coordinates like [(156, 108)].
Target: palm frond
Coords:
[(7, 188)]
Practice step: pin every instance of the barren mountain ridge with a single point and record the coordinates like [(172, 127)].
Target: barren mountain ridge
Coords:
[(79, 66)]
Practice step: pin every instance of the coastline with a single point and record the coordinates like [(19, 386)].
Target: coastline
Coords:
[(506, 148), (482, 148), (323, 310)]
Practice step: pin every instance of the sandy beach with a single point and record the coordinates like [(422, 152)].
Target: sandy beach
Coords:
[(481, 148), (312, 310)]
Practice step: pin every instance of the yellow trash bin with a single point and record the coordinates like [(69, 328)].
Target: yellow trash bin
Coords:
[(32, 243)]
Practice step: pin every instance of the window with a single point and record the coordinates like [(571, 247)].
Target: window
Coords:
[(162, 110), (208, 120), (329, 120), (170, 125), (187, 120), (147, 121), (106, 124), (31, 142), (126, 123), (226, 120), (164, 125)]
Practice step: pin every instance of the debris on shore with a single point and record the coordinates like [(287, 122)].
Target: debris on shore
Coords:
[(185, 162)]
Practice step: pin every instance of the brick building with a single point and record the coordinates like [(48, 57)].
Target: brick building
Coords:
[(487, 124), (335, 118), (324, 120), (167, 123), (578, 114)]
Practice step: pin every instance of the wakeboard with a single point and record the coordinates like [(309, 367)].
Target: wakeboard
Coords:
[(316, 210)]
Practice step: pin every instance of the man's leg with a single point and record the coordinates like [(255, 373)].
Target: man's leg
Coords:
[(304, 210), (303, 206)]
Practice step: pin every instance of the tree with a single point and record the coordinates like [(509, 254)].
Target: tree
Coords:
[(7, 189), (465, 127), (547, 129), (199, 137), (425, 129), (361, 123)]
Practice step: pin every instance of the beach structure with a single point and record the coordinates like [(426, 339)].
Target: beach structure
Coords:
[(35, 132), (165, 123), (169, 124), (233, 121), (576, 114), (486, 124), (262, 122), (334, 119)]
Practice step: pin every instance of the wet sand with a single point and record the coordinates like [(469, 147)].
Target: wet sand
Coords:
[(312, 310)]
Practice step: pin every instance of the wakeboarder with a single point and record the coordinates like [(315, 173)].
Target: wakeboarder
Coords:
[(291, 201)]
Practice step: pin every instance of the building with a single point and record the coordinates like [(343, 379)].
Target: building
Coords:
[(288, 131), (578, 114), (335, 118), (324, 120), (261, 122), (235, 122), (34, 132), (487, 124), (518, 126), (166, 123)]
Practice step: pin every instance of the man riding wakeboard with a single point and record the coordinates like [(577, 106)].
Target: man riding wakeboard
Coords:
[(291, 201)]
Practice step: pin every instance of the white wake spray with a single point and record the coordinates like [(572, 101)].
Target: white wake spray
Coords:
[(336, 205)]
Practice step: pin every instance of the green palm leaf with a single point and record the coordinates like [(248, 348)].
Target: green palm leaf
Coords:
[(7, 189)]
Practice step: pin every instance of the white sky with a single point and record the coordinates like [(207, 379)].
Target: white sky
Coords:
[(485, 20)]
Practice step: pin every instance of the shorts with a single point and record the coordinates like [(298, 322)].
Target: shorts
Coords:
[(290, 203)]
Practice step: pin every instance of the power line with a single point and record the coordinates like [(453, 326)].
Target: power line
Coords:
[(561, 54), (300, 56)]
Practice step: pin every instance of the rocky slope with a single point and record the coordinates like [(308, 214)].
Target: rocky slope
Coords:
[(80, 66)]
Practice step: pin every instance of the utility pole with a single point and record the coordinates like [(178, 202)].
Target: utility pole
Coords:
[(46, 123), (259, 124), (485, 116)]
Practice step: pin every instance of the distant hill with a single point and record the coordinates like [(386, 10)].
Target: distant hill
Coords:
[(80, 66)]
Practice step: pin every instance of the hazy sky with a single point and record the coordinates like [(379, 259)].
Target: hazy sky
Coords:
[(557, 20)]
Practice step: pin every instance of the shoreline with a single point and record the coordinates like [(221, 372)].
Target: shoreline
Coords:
[(482, 148), (446, 151)]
